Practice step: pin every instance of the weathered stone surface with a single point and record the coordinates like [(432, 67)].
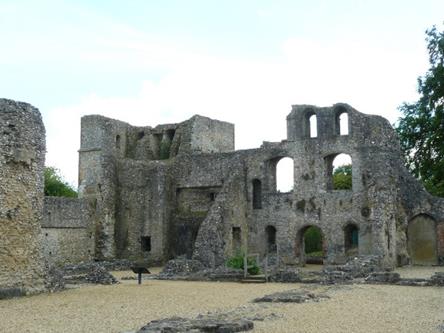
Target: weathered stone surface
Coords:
[(181, 266), (223, 273), (202, 324), (356, 267), (193, 270), (291, 296), (286, 276), (54, 279), (87, 266), (383, 277), (437, 279), (100, 275), (67, 234), (182, 190), (94, 272), (22, 156), (412, 282)]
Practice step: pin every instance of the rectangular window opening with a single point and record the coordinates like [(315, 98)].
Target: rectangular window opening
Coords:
[(146, 243)]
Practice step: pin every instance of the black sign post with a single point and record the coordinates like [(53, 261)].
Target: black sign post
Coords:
[(139, 270)]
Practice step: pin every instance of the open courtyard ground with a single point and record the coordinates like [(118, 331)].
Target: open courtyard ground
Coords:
[(127, 306)]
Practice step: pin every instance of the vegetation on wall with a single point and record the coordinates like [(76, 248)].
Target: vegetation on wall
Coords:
[(421, 127), (56, 186)]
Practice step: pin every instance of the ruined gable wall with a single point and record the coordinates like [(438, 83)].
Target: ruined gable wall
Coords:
[(67, 234), (22, 155)]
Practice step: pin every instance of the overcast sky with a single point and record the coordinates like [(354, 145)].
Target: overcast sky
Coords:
[(152, 62)]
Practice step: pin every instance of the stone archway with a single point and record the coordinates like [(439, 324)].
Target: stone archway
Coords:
[(310, 245), (421, 240)]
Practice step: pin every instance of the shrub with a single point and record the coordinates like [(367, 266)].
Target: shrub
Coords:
[(238, 262)]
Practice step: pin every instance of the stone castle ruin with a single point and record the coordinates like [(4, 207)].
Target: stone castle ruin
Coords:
[(182, 190)]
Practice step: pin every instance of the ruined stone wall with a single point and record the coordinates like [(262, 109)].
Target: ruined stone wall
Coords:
[(22, 155), (125, 171), (370, 205), (180, 189), (204, 135), (103, 142), (67, 234), (143, 210), (415, 201), (216, 240)]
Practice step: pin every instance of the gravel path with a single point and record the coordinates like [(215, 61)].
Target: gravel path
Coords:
[(127, 306), (418, 271)]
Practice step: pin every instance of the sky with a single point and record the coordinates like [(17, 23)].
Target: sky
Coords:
[(152, 62)]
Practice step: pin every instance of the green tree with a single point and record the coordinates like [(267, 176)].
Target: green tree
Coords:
[(55, 186), (342, 177), (421, 127)]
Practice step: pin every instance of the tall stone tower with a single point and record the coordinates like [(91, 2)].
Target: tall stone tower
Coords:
[(22, 157)]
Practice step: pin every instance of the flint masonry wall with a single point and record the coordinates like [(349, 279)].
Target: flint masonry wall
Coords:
[(67, 234), (379, 204), (181, 189), (126, 172), (22, 154)]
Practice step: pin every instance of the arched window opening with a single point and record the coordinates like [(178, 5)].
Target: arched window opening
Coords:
[(343, 123), (310, 126), (339, 170), (285, 175), (271, 239), (257, 194), (351, 239), (117, 141), (313, 129)]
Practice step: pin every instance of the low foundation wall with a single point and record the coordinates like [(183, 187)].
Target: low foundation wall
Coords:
[(67, 234)]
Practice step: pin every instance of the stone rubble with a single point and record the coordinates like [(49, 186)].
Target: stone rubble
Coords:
[(54, 279), (437, 279), (286, 275), (383, 277), (180, 267), (199, 324), (99, 275), (189, 269), (291, 296)]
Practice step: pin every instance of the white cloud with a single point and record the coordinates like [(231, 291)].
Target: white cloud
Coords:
[(255, 95)]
